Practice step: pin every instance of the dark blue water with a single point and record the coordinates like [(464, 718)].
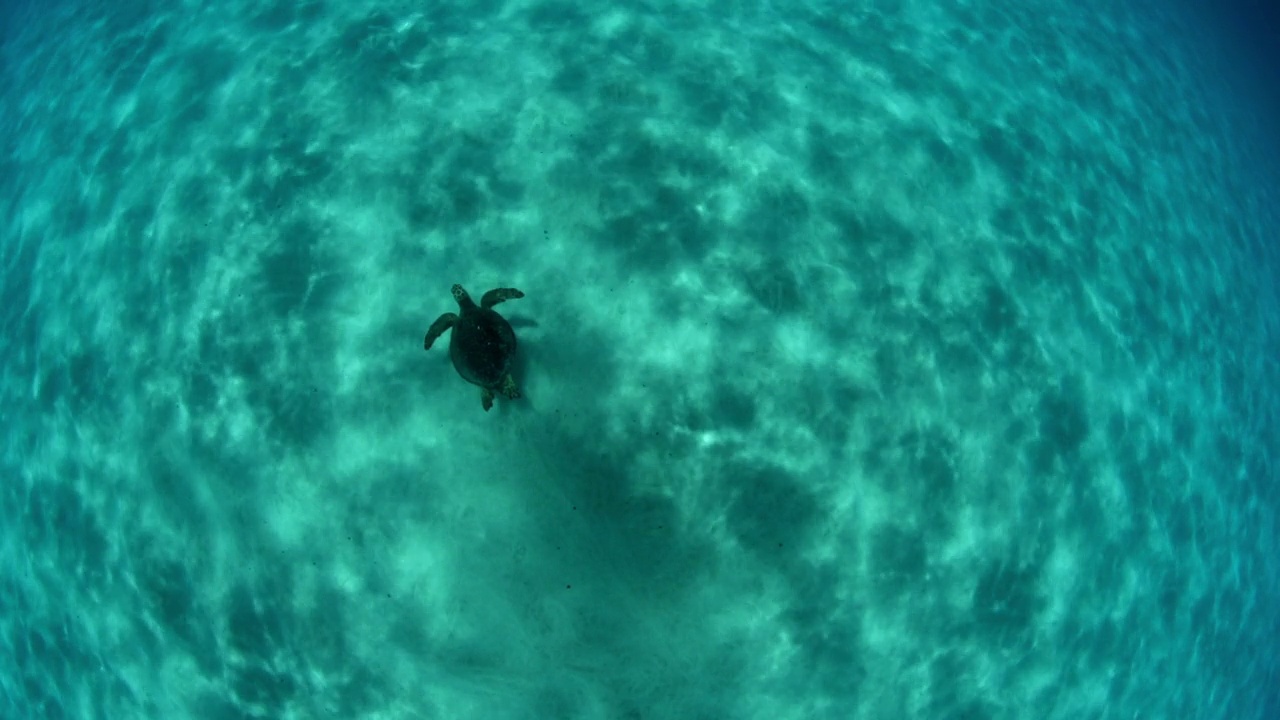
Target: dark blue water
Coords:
[(899, 360)]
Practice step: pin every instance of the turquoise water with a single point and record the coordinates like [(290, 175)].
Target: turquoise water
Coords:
[(889, 360)]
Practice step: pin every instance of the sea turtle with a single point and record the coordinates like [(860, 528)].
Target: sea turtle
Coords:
[(482, 344)]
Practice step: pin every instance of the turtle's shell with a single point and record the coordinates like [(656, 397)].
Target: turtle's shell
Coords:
[(481, 346)]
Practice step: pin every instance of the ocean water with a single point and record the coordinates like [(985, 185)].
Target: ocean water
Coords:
[(880, 360)]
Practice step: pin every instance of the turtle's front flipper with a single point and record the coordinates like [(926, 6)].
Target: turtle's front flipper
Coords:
[(442, 323), (497, 295), (486, 398)]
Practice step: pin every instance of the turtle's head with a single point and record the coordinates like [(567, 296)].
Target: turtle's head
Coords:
[(461, 295)]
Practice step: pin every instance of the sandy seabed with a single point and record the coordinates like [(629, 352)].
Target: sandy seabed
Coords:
[(917, 360)]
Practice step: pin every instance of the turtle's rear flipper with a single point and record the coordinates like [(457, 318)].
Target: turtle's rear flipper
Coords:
[(497, 295), (486, 398), (442, 323), (509, 387)]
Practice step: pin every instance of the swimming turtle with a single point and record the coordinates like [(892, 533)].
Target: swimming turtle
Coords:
[(482, 344)]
